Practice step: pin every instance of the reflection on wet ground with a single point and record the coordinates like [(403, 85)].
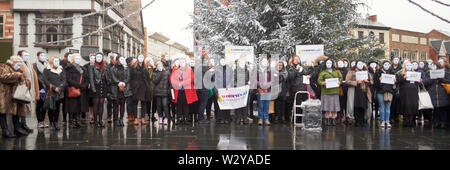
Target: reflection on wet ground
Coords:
[(228, 137)]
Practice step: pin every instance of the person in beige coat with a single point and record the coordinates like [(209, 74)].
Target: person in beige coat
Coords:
[(11, 76), (31, 75)]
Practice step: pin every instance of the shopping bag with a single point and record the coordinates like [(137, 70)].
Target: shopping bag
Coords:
[(424, 100), (22, 95)]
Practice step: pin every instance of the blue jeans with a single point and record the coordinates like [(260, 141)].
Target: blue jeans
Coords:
[(263, 108), (385, 108)]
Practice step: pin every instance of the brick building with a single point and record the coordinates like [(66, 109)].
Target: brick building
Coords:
[(409, 45), (439, 44), (6, 30)]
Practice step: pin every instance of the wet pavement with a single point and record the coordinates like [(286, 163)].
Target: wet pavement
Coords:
[(228, 137)]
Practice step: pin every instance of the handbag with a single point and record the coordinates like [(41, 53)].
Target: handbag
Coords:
[(22, 95), (424, 100), (75, 92), (49, 102), (446, 87)]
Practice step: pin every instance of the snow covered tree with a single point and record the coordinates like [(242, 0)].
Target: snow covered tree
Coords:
[(276, 26)]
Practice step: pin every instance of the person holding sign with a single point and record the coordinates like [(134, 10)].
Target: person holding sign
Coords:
[(385, 92), (363, 94), (409, 98), (438, 95), (330, 96)]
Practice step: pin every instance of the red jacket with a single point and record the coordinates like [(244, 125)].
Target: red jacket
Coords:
[(187, 83)]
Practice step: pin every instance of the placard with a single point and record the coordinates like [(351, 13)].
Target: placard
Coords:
[(437, 74), (233, 98), (306, 80), (413, 76), (233, 53), (309, 52), (332, 83), (387, 78), (362, 75)]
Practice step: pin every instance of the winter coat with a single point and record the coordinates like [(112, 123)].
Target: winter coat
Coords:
[(325, 74), (40, 74), (140, 82), (295, 79), (97, 80), (161, 80), (264, 84), (241, 73), (223, 78), (187, 84), (118, 74), (9, 81), (437, 92), (365, 87), (55, 78), (109, 84), (79, 104), (34, 89), (382, 88), (151, 86), (408, 94)]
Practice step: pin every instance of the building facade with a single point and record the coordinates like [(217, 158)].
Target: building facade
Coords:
[(6, 30), (409, 45), (125, 38), (370, 27), (159, 44)]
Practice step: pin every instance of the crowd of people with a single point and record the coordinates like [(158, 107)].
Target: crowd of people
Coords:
[(167, 87)]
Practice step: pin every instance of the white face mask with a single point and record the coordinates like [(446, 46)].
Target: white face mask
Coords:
[(69, 58), (182, 63), (223, 62), (373, 65), (265, 63), (421, 65), (242, 64), (285, 63), (441, 62), (141, 58), (409, 67), (415, 66), (43, 57), (212, 62), (309, 63), (433, 66), (122, 61), (56, 62), (396, 60), (134, 60), (92, 59), (77, 60), (177, 63), (17, 66), (160, 67), (360, 65), (329, 64), (99, 58), (345, 64), (353, 64), (340, 64), (26, 57), (192, 64), (386, 66)]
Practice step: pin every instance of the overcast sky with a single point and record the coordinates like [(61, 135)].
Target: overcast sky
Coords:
[(171, 17)]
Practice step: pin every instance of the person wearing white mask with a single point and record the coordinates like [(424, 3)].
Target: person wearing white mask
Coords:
[(396, 65), (11, 76), (352, 64), (56, 83), (151, 99), (264, 82), (28, 69), (109, 85), (65, 62), (77, 78), (161, 80), (373, 68), (39, 66), (241, 78), (182, 79), (408, 103), (385, 93), (295, 80), (438, 95), (363, 94), (87, 67), (342, 93), (97, 80), (330, 96), (119, 89), (140, 86)]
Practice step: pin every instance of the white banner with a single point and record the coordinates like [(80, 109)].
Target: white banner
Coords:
[(233, 98), (309, 52), (233, 53)]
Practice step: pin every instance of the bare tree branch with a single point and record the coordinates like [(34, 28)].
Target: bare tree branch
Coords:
[(442, 3), (441, 18)]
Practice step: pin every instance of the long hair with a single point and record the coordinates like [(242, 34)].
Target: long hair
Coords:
[(50, 61), (404, 66)]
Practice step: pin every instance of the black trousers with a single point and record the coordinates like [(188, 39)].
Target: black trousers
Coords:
[(162, 106), (359, 115), (209, 106), (182, 105), (64, 110), (280, 109), (118, 105), (53, 115), (40, 111), (221, 114), (109, 107)]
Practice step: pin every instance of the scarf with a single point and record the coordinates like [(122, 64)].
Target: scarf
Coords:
[(79, 69), (57, 70), (41, 66)]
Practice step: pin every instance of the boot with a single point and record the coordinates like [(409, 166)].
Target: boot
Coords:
[(327, 121), (55, 125), (333, 121), (260, 122), (120, 122), (24, 124), (18, 130), (5, 132)]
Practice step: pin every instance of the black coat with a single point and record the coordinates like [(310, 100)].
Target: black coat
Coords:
[(161, 79), (140, 82), (109, 81), (55, 81), (97, 79), (408, 94), (295, 80), (40, 77), (438, 95), (79, 104), (379, 87), (118, 74)]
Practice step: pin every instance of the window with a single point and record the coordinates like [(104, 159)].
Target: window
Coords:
[(2, 24), (371, 35), (106, 41), (413, 56), (129, 47), (23, 29), (381, 38), (396, 52), (423, 56), (360, 34), (47, 32), (90, 24), (405, 54)]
